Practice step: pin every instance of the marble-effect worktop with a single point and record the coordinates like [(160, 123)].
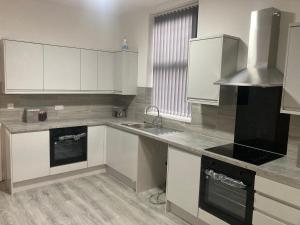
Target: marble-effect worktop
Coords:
[(283, 170)]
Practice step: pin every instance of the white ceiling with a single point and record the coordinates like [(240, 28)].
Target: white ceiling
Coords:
[(113, 6)]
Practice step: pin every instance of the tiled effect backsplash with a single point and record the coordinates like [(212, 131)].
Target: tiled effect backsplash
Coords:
[(75, 106), (208, 120)]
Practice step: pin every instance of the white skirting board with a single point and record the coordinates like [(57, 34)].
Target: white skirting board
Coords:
[(68, 168), (26, 185)]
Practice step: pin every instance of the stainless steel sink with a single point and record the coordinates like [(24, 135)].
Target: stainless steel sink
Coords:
[(139, 125), (150, 128)]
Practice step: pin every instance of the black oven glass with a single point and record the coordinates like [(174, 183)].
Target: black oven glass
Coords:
[(68, 145), (227, 191)]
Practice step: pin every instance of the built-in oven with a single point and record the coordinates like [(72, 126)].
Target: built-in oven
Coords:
[(68, 145), (227, 191)]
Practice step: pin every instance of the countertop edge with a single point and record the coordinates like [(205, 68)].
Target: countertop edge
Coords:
[(115, 123)]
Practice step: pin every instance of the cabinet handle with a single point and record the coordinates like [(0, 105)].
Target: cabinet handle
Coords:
[(225, 179), (70, 137)]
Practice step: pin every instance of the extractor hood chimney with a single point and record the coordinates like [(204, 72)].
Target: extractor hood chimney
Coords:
[(263, 44)]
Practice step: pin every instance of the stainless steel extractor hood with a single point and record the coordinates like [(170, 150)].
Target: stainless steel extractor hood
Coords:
[(263, 44)]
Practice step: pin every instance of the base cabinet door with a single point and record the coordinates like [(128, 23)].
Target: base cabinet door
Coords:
[(260, 218), (183, 180), (30, 155), (122, 152), (96, 146)]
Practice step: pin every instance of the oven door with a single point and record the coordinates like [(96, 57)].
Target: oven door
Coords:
[(68, 145), (227, 191)]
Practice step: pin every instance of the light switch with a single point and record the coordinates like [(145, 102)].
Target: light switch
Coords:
[(59, 107)]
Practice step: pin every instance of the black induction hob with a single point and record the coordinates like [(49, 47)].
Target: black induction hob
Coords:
[(246, 154)]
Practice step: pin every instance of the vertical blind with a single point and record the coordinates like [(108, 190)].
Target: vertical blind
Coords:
[(171, 34)]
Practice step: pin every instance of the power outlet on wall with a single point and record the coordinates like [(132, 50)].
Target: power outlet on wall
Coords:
[(59, 107), (10, 106)]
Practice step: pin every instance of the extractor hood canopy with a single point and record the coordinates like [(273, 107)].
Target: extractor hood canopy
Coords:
[(263, 44)]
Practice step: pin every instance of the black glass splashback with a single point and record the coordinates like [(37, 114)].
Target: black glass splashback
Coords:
[(259, 122)]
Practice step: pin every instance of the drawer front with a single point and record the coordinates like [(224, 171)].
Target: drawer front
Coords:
[(276, 209), (259, 219), (278, 191)]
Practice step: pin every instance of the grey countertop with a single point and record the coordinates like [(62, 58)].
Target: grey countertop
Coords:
[(283, 170)]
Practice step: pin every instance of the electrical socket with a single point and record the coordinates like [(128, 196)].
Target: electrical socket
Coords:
[(10, 106), (59, 107)]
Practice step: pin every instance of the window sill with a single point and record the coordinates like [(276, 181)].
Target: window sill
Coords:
[(172, 117)]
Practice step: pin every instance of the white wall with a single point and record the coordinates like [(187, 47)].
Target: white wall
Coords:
[(215, 17), (136, 27), (47, 22)]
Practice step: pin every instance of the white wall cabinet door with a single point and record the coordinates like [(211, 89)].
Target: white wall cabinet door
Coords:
[(126, 72), (183, 180), (291, 92), (129, 73), (23, 66), (106, 72), (89, 70), (122, 152), (61, 68), (209, 59), (30, 155), (204, 68), (96, 146)]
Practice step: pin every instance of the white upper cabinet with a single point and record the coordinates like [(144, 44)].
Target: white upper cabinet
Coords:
[(126, 73), (106, 71), (61, 68), (210, 59), (291, 92), (23, 66), (40, 68), (89, 70)]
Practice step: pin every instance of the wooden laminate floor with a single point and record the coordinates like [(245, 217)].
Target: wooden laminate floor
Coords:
[(93, 200)]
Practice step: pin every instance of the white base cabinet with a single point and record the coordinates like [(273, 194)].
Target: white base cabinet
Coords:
[(276, 203), (183, 180), (30, 155), (122, 152), (96, 145), (260, 219)]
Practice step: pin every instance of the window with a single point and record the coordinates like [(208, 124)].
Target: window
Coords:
[(171, 34)]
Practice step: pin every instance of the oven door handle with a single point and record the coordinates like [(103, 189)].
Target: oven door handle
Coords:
[(225, 179), (72, 137)]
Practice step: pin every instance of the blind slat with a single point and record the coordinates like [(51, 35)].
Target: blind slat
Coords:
[(171, 33)]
